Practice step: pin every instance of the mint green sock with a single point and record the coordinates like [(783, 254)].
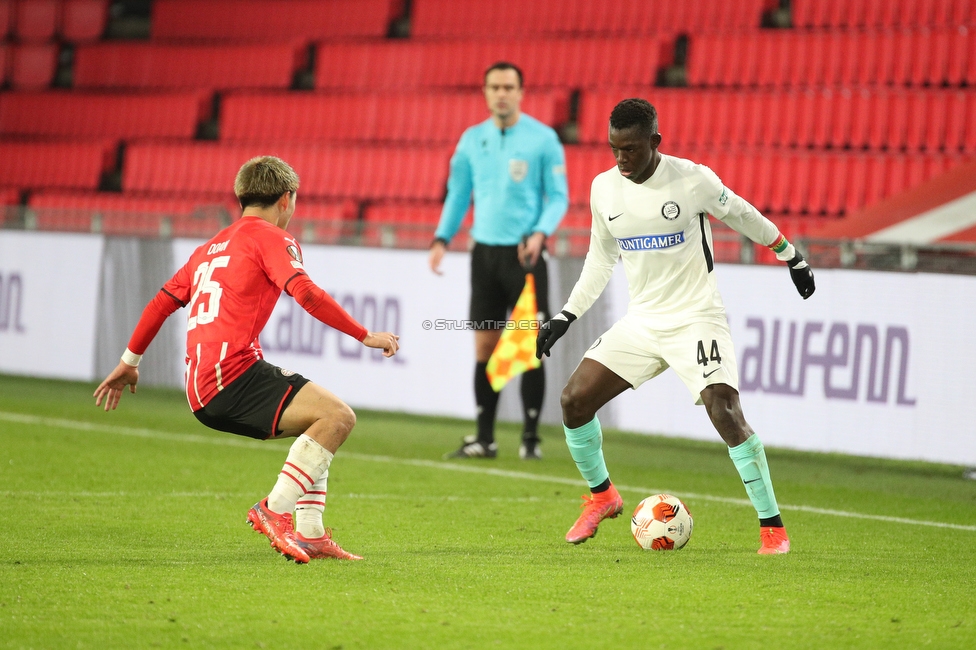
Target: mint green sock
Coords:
[(750, 459), (586, 447)]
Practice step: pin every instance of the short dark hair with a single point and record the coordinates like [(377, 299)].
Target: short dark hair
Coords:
[(635, 113), (261, 181), (505, 65)]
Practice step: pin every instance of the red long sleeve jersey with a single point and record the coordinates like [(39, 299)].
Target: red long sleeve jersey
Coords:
[(230, 286)]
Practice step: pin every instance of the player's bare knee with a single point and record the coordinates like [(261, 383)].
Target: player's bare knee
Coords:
[(345, 419), (576, 410)]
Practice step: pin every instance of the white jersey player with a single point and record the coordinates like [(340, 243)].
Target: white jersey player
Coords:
[(652, 211)]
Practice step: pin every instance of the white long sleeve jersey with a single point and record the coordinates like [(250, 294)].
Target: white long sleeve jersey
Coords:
[(660, 228)]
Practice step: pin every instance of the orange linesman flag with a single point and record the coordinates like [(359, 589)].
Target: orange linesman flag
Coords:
[(515, 352)]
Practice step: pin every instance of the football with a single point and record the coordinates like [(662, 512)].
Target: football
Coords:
[(661, 523)]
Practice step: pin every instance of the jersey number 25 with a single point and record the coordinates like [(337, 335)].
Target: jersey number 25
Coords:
[(204, 285)]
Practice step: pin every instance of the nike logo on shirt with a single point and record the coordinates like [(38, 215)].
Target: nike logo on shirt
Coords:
[(615, 216), (707, 375)]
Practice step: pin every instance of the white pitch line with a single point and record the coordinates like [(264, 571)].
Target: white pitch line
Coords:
[(76, 425)]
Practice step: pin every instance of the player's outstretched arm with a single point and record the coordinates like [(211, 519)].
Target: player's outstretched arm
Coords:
[(551, 331), (112, 387), (386, 341)]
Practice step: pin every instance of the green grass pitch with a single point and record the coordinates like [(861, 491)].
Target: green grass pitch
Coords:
[(126, 530)]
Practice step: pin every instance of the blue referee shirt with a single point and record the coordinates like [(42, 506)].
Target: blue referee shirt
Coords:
[(517, 176)]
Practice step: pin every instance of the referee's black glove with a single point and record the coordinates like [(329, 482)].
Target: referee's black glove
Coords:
[(802, 276), (550, 331)]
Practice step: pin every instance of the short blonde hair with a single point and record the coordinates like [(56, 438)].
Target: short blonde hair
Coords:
[(261, 181)]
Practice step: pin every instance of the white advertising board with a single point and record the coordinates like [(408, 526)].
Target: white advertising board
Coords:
[(385, 291), (872, 364), (48, 300)]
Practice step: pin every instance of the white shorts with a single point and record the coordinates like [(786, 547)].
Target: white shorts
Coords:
[(700, 352)]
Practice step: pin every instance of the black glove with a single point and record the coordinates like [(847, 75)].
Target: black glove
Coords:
[(550, 331), (802, 276)]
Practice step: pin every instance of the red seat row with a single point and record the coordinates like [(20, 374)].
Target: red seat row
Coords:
[(790, 58), (883, 13), (120, 116), (28, 66), (155, 65), (431, 117), (174, 215), (875, 118), (549, 62), (44, 20), (358, 172), (63, 164), (782, 180), (450, 18), (265, 21)]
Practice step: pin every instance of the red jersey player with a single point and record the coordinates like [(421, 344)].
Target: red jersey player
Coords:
[(230, 286)]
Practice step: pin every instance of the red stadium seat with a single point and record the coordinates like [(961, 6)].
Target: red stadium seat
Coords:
[(327, 171), (833, 173), (55, 163), (36, 20), (582, 164), (32, 65), (260, 20), (407, 117), (120, 116), (857, 179), (551, 62), (875, 179), (156, 66), (969, 123), (83, 20), (6, 17), (445, 18)]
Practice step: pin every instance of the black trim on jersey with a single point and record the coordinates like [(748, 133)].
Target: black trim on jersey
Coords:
[(178, 301), (708, 252), (292, 278)]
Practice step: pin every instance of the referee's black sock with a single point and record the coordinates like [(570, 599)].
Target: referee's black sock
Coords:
[(533, 390), (487, 400)]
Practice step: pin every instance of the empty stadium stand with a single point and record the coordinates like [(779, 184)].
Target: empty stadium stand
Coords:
[(546, 62), (893, 119), (851, 103), (449, 18), (359, 172), (36, 20), (83, 20), (100, 114), (396, 117), (883, 13), (782, 58), (262, 20), (32, 65), (152, 65), (56, 164)]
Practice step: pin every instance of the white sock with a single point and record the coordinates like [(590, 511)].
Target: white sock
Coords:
[(307, 461), (310, 508)]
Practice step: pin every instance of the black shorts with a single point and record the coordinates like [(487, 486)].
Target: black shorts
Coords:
[(252, 404), (497, 280)]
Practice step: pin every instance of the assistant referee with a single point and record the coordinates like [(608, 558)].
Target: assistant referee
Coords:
[(514, 167)]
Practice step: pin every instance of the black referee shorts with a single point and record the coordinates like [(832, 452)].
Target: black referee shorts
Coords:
[(497, 280), (252, 404)]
